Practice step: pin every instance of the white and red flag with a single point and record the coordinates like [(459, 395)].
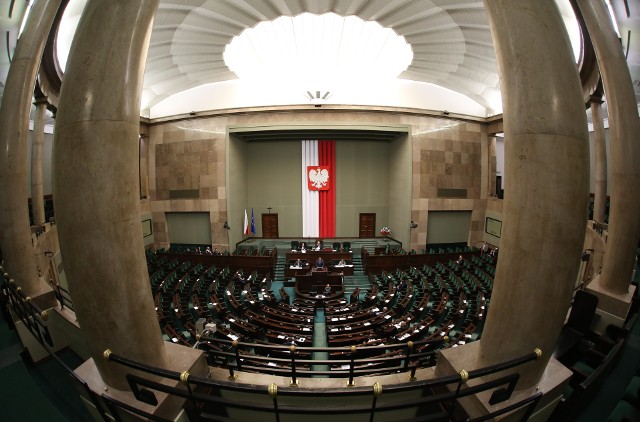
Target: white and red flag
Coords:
[(318, 189)]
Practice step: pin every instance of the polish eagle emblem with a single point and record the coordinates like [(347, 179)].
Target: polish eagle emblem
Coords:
[(318, 177)]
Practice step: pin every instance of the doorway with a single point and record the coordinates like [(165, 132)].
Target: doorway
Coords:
[(367, 225), (270, 226)]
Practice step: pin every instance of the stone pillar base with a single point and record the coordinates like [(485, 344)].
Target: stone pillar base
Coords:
[(46, 298), (612, 308), (181, 359), (613, 303), (161, 245), (554, 379)]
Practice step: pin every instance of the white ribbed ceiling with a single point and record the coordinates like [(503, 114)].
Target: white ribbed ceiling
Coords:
[(450, 40)]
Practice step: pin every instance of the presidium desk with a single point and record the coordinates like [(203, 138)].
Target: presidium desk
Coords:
[(311, 282)]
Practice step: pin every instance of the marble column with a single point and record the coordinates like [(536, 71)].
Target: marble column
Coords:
[(493, 166), (484, 166), (600, 162), (488, 167), (37, 147), (624, 127), (144, 166), (547, 168), (96, 187), (15, 242)]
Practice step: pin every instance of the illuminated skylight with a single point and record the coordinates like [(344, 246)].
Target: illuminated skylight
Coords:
[(68, 26), (613, 18), (24, 18), (317, 51), (573, 29)]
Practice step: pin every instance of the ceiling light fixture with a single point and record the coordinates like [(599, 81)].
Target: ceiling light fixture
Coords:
[(317, 98), (317, 50)]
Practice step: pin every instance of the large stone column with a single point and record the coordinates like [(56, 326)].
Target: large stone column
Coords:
[(37, 146), (144, 166), (95, 157), (493, 166), (624, 127), (600, 152), (547, 189), (16, 244)]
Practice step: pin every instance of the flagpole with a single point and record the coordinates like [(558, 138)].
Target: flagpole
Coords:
[(246, 224), (253, 224)]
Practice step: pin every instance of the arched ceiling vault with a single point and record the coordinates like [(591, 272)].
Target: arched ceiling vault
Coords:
[(450, 39)]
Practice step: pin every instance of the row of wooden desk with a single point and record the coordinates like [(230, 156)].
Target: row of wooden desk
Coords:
[(326, 255), (309, 258), (291, 270)]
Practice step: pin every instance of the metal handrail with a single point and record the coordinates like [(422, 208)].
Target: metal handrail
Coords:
[(504, 385)]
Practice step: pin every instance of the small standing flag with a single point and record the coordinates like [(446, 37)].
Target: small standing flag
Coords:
[(253, 223), (246, 223)]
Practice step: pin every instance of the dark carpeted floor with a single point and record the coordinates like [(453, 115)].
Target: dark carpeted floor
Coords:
[(42, 392)]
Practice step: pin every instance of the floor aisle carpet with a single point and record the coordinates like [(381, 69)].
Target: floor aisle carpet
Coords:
[(320, 340), (21, 399)]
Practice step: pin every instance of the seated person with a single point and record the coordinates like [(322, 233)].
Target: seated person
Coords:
[(319, 245), (327, 289), (320, 262), (402, 285), (341, 263), (298, 263), (303, 247), (208, 251)]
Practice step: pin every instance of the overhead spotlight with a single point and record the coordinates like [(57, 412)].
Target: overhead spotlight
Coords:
[(446, 112), (317, 98), (226, 226), (193, 113), (413, 225)]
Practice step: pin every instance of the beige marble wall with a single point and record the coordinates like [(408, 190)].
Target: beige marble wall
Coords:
[(191, 155), (446, 154), (188, 155)]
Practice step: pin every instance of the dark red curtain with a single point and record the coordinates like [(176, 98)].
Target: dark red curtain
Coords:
[(327, 199)]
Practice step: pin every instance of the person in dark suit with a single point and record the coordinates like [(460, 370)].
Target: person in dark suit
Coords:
[(319, 262), (319, 245), (403, 285), (327, 289)]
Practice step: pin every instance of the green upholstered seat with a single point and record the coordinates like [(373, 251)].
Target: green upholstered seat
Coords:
[(631, 393), (624, 411)]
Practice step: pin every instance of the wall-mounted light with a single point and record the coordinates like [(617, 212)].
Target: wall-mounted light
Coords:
[(413, 225), (226, 226)]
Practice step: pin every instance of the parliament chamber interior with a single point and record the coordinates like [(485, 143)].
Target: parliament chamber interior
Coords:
[(360, 210)]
